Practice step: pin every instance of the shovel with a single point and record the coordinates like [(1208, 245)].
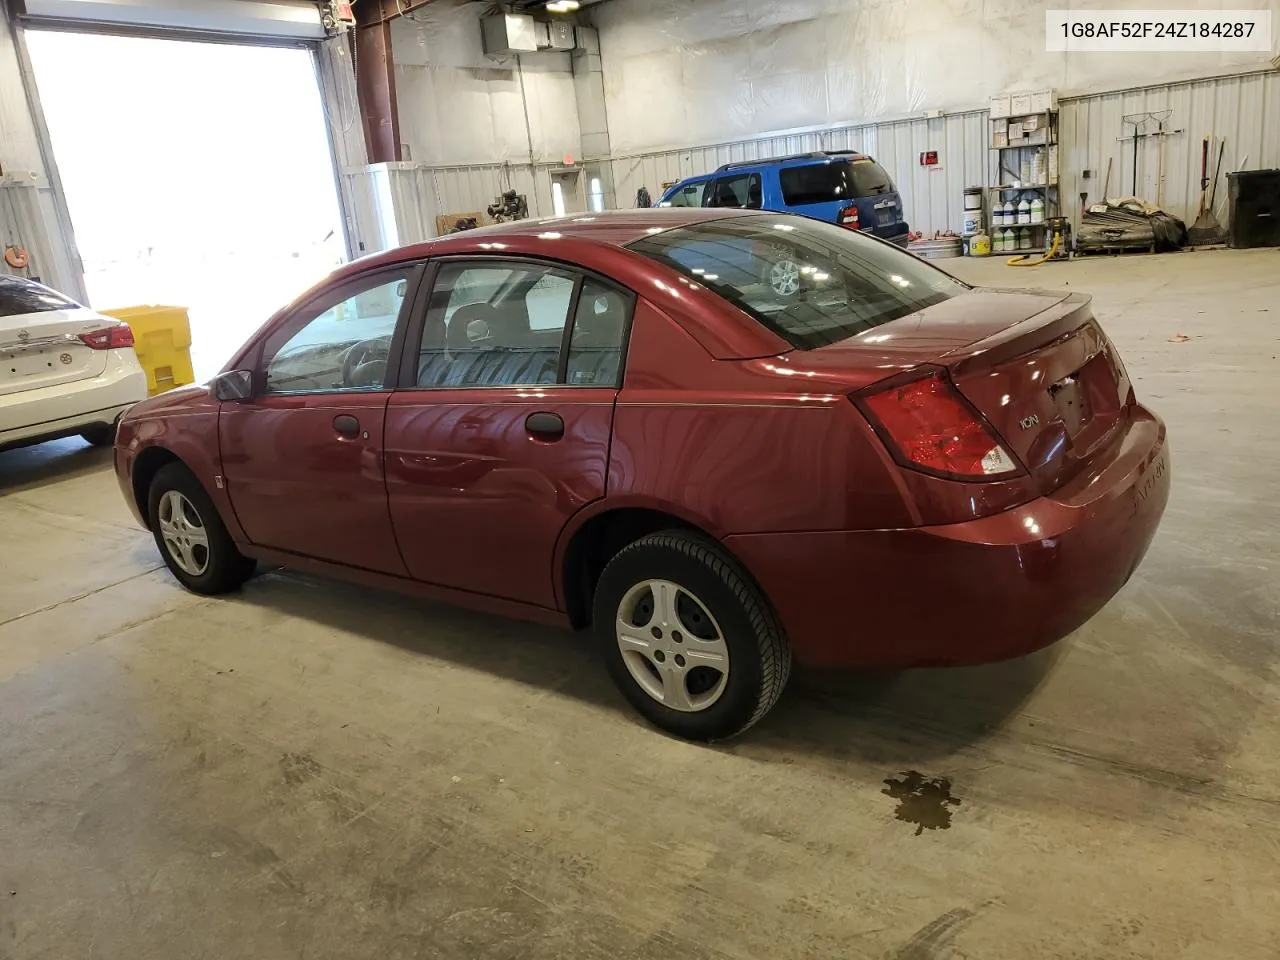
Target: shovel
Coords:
[(1206, 229)]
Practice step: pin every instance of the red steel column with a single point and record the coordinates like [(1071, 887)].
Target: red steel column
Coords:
[(376, 91)]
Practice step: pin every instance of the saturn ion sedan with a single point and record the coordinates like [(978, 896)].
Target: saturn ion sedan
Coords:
[(719, 438)]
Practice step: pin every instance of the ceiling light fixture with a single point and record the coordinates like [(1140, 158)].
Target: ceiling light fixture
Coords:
[(562, 6)]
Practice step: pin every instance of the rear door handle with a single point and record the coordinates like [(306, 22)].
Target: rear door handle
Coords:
[(545, 426), (346, 425)]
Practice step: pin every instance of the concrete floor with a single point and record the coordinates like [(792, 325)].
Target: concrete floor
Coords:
[(308, 770)]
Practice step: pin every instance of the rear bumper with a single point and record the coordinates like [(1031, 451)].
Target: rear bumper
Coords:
[(971, 592), (897, 233), (63, 410)]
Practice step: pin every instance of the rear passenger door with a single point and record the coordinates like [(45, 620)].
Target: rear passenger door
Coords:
[(499, 431)]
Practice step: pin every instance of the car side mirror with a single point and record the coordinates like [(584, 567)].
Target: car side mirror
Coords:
[(402, 288), (233, 385)]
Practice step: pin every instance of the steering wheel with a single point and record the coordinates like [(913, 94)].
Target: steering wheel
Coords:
[(363, 352)]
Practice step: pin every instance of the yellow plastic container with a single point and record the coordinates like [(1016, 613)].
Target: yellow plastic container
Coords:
[(162, 339)]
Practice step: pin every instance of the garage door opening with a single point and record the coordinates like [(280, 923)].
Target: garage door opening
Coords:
[(196, 174)]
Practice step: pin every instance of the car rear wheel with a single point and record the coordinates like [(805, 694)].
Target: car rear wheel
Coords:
[(190, 535), (783, 277), (688, 638)]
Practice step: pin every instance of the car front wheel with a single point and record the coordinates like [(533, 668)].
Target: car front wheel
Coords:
[(195, 545), (688, 638)]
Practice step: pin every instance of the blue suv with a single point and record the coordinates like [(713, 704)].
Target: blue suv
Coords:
[(846, 188)]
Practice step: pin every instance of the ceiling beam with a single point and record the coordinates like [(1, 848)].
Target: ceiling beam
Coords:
[(371, 13)]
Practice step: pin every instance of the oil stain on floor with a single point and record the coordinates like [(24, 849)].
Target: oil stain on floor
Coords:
[(924, 801)]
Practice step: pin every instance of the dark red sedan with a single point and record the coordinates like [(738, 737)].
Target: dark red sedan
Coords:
[(719, 437)]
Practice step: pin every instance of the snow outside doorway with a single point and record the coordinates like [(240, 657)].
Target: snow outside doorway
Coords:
[(196, 174)]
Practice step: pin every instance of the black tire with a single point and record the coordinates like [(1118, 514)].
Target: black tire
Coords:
[(100, 434), (759, 655), (225, 567)]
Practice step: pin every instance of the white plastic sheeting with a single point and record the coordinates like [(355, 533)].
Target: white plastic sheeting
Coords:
[(679, 73), (457, 106)]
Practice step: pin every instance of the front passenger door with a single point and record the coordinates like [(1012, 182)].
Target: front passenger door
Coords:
[(302, 459)]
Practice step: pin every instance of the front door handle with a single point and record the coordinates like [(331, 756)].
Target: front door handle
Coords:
[(545, 426), (346, 425)]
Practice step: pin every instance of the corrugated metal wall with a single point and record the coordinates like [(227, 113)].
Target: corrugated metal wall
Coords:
[(29, 219), (1244, 109), (932, 196), (397, 203)]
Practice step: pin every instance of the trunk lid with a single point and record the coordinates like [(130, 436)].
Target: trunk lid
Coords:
[(1052, 386), (44, 350), (1035, 364)]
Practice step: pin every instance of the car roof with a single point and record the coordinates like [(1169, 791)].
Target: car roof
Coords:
[(615, 228), (793, 159)]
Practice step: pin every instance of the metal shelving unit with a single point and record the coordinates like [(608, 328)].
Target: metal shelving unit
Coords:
[(1007, 175)]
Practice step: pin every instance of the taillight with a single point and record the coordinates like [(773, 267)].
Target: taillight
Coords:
[(928, 426), (848, 217), (109, 338)]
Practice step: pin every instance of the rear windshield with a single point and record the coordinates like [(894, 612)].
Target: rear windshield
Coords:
[(833, 180), (811, 282), (19, 296)]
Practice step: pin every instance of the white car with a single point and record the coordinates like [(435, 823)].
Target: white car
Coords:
[(64, 370)]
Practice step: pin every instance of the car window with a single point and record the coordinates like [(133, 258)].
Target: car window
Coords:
[(832, 180), (869, 178), (341, 344), (599, 327), (689, 195), (816, 183), (741, 190), (548, 301), (19, 296), (478, 333), (811, 282)]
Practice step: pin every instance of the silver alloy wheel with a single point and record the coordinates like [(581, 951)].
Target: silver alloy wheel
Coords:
[(184, 533), (672, 646), (784, 277)]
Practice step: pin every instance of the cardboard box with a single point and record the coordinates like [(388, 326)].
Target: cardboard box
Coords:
[(999, 107), (1044, 101), (1000, 139), (1019, 103)]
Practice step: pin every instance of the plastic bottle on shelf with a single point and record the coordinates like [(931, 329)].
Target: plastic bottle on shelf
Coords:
[(1024, 238), (1037, 168), (1024, 210), (1009, 216), (1037, 210), (1006, 239)]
